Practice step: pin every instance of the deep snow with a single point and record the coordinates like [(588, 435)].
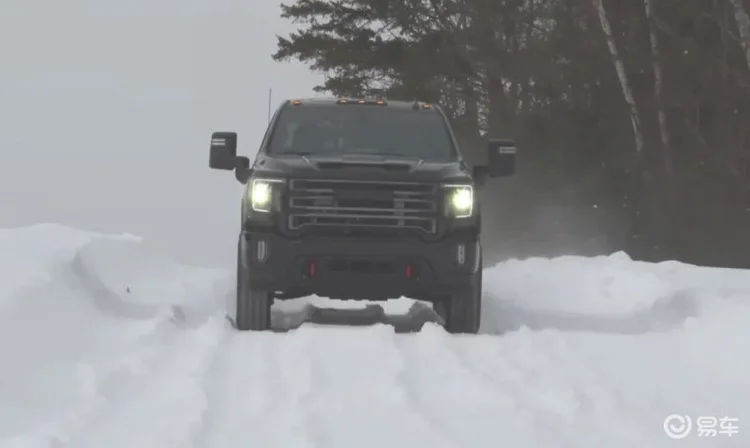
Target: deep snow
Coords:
[(106, 343)]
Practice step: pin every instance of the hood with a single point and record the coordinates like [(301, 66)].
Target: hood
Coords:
[(360, 166)]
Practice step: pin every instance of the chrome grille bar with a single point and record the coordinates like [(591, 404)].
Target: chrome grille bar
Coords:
[(354, 204)]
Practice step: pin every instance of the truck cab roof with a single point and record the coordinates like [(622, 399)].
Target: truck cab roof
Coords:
[(346, 101)]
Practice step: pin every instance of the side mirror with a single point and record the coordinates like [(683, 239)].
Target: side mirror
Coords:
[(480, 173), (223, 156), (242, 171), (223, 152), (501, 155)]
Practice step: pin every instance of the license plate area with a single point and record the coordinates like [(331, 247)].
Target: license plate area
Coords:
[(331, 267), (361, 266)]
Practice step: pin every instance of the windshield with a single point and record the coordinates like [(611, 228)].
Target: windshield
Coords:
[(362, 129)]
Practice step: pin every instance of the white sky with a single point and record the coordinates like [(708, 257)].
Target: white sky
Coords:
[(107, 106)]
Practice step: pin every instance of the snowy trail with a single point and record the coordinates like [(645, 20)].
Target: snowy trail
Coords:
[(104, 343)]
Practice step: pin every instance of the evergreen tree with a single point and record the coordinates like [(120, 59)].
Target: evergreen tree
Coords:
[(632, 118)]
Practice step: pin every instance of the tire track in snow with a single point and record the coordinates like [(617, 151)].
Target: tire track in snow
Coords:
[(358, 398), (456, 395), (93, 380), (562, 400), (163, 404), (526, 401), (316, 387), (299, 369), (407, 385), (256, 400)]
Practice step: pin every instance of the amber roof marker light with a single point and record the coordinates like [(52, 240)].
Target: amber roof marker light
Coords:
[(364, 102), (416, 105)]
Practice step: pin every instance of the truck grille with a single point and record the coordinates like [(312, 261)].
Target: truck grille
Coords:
[(362, 207)]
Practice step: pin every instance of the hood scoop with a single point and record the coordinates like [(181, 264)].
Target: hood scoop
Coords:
[(388, 166), (364, 162)]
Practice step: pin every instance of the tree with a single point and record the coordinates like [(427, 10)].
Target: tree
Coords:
[(743, 25), (627, 91), (641, 109)]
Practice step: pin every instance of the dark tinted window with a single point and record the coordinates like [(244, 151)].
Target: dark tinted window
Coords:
[(362, 129)]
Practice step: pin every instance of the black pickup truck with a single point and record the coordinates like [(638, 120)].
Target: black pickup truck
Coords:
[(359, 199)]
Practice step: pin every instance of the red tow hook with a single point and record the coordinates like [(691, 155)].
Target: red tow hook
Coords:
[(409, 270), (311, 269)]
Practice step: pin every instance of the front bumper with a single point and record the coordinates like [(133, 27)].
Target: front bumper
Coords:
[(358, 269)]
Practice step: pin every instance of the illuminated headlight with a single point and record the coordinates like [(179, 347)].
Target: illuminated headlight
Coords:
[(460, 200), (261, 194)]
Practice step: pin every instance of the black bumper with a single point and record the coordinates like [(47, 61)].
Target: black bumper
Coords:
[(359, 269)]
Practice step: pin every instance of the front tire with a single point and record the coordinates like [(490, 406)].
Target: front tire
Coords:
[(253, 305), (462, 311)]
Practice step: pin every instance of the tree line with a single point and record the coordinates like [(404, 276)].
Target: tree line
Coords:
[(632, 118)]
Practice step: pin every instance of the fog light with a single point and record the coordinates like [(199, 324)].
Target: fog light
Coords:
[(461, 254)]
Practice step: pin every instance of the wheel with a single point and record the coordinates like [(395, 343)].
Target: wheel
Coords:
[(462, 312), (253, 307)]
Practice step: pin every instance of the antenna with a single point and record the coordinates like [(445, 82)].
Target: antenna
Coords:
[(270, 92)]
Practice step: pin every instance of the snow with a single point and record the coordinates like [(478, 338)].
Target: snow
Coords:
[(107, 342)]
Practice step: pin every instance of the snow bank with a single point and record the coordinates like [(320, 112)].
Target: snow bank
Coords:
[(100, 337), (606, 292), (70, 299), (121, 276), (29, 255), (130, 276), (109, 268)]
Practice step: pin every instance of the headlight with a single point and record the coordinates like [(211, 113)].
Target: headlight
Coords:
[(460, 200), (261, 194)]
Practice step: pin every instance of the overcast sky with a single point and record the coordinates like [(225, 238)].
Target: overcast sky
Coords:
[(107, 106)]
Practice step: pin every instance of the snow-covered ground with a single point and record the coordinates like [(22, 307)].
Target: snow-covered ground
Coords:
[(106, 343), (106, 108)]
